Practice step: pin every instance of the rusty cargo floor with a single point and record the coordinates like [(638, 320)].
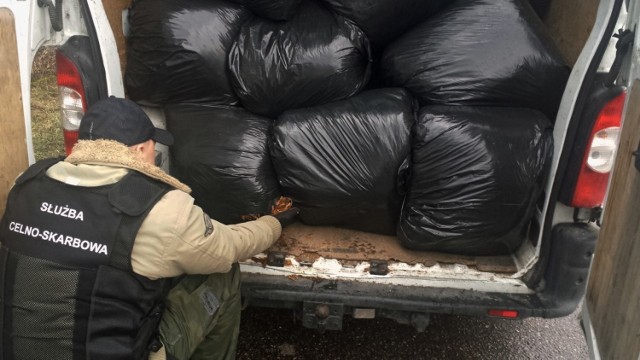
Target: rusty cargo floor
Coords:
[(308, 243)]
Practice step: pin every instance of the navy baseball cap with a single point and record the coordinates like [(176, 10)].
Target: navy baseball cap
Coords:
[(121, 120)]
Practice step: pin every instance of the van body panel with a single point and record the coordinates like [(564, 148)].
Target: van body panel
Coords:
[(108, 48)]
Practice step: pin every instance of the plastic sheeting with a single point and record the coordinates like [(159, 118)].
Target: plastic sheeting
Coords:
[(345, 163), (477, 173), (221, 152), (541, 7), (312, 59), (480, 52), (384, 20), (272, 9), (177, 50)]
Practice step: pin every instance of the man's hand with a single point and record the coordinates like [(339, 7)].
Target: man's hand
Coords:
[(287, 217)]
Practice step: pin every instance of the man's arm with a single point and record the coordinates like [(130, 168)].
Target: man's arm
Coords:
[(177, 237)]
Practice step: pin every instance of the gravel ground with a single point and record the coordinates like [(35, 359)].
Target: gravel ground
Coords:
[(273, 334)]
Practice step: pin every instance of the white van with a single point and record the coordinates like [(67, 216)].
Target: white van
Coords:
[(313, 275)]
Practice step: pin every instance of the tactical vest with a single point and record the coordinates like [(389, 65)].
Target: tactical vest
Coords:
[(66, 283)]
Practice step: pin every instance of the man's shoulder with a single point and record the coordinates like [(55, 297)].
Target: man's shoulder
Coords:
[(173, 209), (176, 197), (86, 174)]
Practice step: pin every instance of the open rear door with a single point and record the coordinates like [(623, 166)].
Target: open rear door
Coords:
[(13, 131), (611, 317), (24, 27)]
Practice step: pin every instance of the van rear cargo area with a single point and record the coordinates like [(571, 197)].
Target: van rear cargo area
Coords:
[(305, 246), (309, 243)]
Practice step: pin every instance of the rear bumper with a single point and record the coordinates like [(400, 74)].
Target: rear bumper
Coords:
[(275, 291), (561, 290)]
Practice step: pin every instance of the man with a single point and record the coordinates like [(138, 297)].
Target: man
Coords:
[(95, 249)]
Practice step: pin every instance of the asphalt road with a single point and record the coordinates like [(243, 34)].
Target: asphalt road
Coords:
[(273, 334)]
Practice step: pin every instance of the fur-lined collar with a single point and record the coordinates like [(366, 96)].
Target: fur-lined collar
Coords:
[(113, 153)]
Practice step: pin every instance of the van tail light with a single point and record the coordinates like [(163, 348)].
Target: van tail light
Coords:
[(73, 102), (597, 162), (504, 313)]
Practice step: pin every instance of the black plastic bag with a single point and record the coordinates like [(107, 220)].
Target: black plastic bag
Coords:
[(541, 7), (221, 152), (384, 20), (272, 9), (178, 50), (477, 174), (345, 163), (312, 59), (480, 53)]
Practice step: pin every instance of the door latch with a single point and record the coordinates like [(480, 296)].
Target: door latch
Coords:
[(637, 155)]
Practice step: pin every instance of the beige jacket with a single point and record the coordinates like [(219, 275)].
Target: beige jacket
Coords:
[(176, 237)]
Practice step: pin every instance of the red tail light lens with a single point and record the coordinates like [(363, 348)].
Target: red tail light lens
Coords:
[(598, 159), (73, 103), (507, 314)]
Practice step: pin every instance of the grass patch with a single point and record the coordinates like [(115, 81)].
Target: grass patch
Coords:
[(45, 110)]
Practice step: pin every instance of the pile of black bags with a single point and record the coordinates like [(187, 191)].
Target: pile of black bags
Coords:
[(272, 9), (265, 98), (314, 58), (479, 53), (384, 20), (178, 50), (221, 152), (346, 163), (477, 172)]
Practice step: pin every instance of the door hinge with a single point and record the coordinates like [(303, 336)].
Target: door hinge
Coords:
[(55, 12), (625, 41)]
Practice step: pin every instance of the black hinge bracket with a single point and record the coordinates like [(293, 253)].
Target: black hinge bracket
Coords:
[(378, 267), (625, 41), (55, 12), (637, 155), (276, 259)]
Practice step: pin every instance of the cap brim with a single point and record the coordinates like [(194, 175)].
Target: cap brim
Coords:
[(163, 137)]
